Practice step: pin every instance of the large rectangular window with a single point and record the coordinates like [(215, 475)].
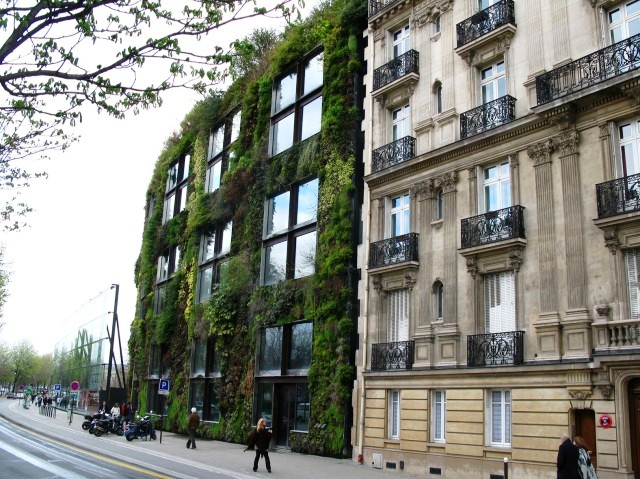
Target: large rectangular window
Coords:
[(297, 104), (176, 190), (624, 20), (285, 349), (289, 247), (632, 261), (214, 248), (499, 405), (497, 186), (204, 380), (398, 315)]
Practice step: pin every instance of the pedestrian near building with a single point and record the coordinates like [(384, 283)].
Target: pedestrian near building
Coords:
[(260, 438), (192, 424), (585, 467), (567, 459)]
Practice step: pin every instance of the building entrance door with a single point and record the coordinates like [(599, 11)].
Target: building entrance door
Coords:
[(284, 411), (634, 423), (586, 428)]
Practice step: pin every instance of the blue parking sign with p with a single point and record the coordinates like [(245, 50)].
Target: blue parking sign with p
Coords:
[(57, 387), (163, 387)]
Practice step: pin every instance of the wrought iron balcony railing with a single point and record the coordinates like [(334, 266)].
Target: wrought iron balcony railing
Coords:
[(393, 153), (487, 116), (376, 5), (397, 68), (618, 196), (596, 67), (495, 349), (485, 21), (493, 226), (392, 356), (398, 249)]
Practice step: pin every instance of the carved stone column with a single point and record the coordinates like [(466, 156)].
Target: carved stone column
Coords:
[(447, 37), (547, 325), (560, 29), (447, 183), (605, 150), (424, 192), (576, 324), (535, 42)]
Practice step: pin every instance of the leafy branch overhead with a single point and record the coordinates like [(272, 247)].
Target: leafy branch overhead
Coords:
[(57, 56)]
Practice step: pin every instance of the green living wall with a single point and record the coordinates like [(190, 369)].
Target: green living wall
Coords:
[(238, 305)]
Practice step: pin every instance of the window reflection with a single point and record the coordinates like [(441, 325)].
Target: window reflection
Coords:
[(305, 255), (301, 335), (278, 213), (285, 92), (271, 349), (313, 73), (311, 118), (275, 263), (283, 134), (307, 202)]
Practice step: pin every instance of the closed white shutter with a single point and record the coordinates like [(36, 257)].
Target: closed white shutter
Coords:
[(632, 257), (394, 414), (499, 302), (500, 404), (398, 316), (438, 416)]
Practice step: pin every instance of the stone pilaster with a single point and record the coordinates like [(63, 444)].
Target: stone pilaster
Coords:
[(447, 183), (535, 50), (560, 29), (447, 37)]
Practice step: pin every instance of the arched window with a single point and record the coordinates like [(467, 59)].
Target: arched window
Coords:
[(437, 97), (438, 292), (439, 205), (436, 24)]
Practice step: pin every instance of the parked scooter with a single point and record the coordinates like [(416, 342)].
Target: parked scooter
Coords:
[(142, 429)]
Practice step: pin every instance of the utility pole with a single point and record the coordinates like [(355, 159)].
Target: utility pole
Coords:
[(111, 338)]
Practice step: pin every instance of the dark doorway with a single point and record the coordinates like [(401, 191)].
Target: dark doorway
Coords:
[(634, 423), (285, 408), (586, 428)]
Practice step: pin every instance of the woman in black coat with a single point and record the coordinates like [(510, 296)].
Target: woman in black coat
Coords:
[(260, 439)]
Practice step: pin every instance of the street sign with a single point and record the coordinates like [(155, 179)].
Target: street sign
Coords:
[(163, 387), (57, 387), (21, 387), (75, 385)]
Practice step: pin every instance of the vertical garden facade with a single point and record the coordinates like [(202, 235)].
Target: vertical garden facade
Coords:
[(247, 276)]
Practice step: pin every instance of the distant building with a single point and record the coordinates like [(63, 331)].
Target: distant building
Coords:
[(500, 296)]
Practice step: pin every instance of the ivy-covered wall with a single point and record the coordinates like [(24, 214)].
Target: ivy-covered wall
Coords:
[(238, 305)]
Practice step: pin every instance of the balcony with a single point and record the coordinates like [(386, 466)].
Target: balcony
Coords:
[(616, 336), (393, 153), (486, 21), (396, 250), (487, 116), (592, 69), (495, 349), (392, 356), (376, 5), (494, 226), (397, 68), (619, 196)]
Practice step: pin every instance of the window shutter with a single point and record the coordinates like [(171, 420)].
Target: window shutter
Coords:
[(631, 257), (398, 316), (496, 417), (499, 302)]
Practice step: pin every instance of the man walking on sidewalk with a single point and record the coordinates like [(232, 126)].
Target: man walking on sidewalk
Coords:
[(192, 424)]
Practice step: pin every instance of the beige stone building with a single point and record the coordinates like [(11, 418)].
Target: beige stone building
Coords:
[(500, 301)]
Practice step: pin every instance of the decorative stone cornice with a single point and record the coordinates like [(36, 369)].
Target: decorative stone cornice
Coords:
[(515, 258), (568, 140), (472, 173), (540, 153), (606, 390), (605, 131), (447, 182), (409, 279), (580, 394)]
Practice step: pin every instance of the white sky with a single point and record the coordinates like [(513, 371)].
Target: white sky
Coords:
[(86, 231)]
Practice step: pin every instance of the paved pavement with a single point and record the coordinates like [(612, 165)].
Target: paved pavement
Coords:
[(216, 456)]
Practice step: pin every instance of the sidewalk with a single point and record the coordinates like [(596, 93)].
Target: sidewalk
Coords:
[(218, 456)]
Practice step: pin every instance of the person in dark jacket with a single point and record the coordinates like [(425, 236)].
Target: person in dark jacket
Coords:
[(260, 439), (567, 459), (192, 424)]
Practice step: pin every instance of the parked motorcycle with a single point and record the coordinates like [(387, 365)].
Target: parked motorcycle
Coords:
[(108, 424), (142, 429), (88, 419)]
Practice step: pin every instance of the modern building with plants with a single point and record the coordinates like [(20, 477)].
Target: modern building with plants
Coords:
[(247, 275)]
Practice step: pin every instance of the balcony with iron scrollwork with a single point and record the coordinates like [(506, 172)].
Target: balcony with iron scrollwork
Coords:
[(393, 153), (404, 66), (605, 67), (486, 26), (392, 356), (492, 227), (495, 349), (376, 6), (485, 117), (618, 196), (396, 250)]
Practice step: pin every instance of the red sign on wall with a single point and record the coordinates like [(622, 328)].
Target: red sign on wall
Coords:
[(606, 421)]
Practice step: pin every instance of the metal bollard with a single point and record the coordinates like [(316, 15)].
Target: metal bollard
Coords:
[(506, 468)]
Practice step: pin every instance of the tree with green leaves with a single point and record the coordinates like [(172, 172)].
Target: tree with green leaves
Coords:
[(59, 56), (23, 359)]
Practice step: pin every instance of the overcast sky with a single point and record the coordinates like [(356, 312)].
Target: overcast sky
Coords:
[(86, 231)]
